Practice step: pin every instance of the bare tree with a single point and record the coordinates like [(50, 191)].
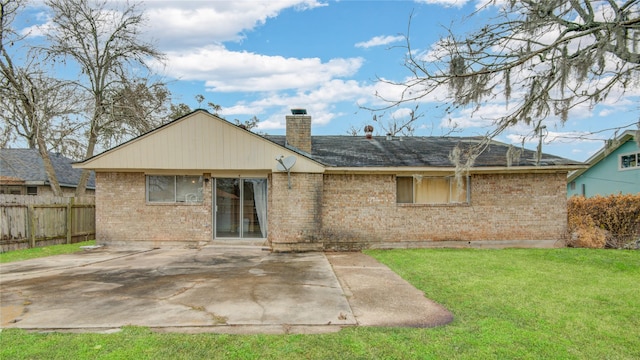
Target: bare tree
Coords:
[(250, 124), (405, 125), (6, 137), (353, 130), (178, 110), (136, 107), (215, 107), (182, 109), (11, 80), (199, 98), (34, 104), (29, 100), (104, 43), (541, 57)]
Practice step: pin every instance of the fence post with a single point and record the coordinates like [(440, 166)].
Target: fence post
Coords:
[(31, 216), (70, 219)]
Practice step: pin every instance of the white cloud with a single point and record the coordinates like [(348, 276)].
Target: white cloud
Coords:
[(271, 124), (435, 53), (552, 137), (277, 73), (240, 108), (230, 71), (447, 3), (473, 118), (179, 25), (378, 41), (43, 27), (37, 30), (403, 112), (319, 102), (605, 112), (389, 91), (105, 21)]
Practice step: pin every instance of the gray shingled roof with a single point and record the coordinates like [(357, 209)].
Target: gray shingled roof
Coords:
[(358, 151), (27, 165)]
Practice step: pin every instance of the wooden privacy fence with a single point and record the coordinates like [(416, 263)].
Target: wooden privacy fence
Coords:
[(32, 221)]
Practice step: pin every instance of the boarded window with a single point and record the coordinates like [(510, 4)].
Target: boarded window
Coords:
[(431, 190), (404, 190)]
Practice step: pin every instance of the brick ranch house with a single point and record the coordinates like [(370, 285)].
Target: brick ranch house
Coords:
[(203, 180)]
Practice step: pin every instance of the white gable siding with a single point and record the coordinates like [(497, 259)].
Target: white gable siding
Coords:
[(199, 141)]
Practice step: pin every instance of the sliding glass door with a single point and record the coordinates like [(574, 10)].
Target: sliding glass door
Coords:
[(240, 208)]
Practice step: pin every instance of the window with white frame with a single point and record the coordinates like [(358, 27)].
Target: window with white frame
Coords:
[(629, 161), (431, 190), (174, 189)]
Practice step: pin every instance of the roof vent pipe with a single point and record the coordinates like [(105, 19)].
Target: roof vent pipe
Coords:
[(368, 131)]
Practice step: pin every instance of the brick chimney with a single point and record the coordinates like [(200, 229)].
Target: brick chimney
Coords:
[(299, 130)]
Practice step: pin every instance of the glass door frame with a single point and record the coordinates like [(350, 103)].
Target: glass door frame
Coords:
[(240, 214)]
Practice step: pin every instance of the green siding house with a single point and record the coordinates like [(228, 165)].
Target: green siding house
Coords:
[(614, 169)]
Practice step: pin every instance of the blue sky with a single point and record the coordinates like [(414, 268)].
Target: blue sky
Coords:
[(262, 58)]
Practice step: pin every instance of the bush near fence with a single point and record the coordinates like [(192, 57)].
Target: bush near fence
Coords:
[(604, 222), (34, 221)]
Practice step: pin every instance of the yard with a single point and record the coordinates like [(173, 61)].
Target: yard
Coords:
[(515, 303)]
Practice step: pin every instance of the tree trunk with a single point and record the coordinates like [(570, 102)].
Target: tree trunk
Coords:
[(32, 142), (48, 168), (84, 178), (82, 184)]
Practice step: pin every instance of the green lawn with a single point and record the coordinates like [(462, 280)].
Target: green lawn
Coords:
[(37, 252), (508, 304)]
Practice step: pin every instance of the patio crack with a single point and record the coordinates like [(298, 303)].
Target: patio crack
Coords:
[(255, 300), (217, 319), (181, 291)]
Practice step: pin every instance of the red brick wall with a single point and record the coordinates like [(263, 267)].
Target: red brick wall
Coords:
[(295, 214), (123, 215), (346, 212), (358, 209), (361, 211), (299, 131)]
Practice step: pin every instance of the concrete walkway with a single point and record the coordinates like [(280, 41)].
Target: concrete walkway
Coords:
[(380, 297), (211, 289)]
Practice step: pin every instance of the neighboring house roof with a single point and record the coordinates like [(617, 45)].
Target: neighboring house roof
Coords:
[(27, 165), (200, 140), (412, 151), (10, 180), (602, 153)]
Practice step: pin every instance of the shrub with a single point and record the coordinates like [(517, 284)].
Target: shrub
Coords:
[(585, 234), (612, 221)]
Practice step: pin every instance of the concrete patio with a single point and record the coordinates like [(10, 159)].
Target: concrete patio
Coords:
[(210, 289)]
